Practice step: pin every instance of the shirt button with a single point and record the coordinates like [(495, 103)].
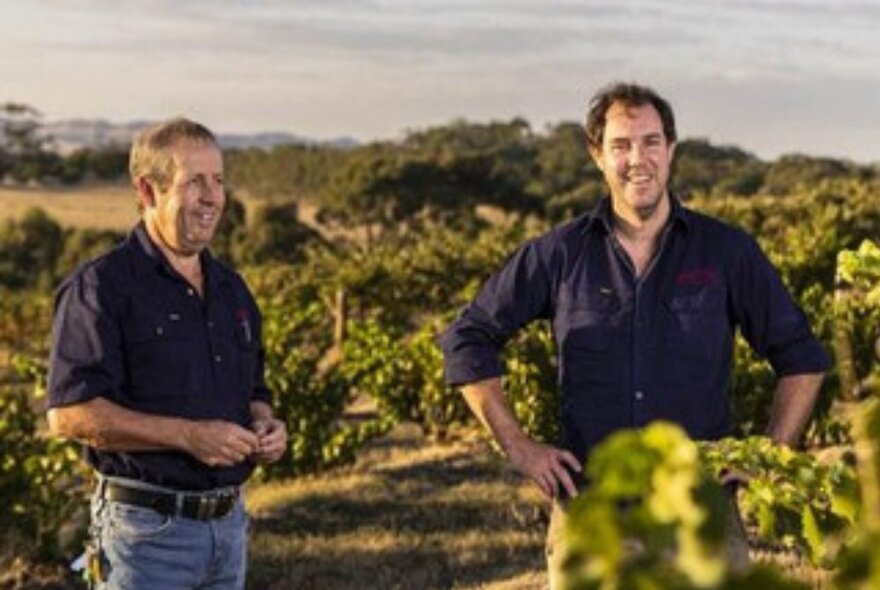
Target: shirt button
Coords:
[(217, 358), (159, 330), (639, 396), (190, 292), (210, 324)]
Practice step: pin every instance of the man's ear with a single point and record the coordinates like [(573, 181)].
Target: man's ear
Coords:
[(596, 155), (146, 192)]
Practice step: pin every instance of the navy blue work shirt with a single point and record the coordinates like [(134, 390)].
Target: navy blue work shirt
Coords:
[(131, 329), (634, 350)]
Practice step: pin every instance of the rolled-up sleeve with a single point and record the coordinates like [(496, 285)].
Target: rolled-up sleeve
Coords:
[(512, 297), (770, 320), (86, 353)]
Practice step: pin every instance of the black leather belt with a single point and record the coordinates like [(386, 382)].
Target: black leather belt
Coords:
[(198, 506)]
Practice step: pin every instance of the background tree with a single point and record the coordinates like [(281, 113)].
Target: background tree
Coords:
[(23, 153), (275, 235), (29, 248), (701, 167)]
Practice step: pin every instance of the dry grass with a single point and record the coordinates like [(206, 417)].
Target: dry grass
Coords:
[(110, 206), (99, 206), (408, 514), (415, 514)]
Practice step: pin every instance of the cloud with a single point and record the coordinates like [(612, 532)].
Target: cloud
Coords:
[(371, 67)]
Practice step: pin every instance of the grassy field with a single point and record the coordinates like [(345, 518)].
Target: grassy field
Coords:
[(408, 514), (99, 206), (113, 206)]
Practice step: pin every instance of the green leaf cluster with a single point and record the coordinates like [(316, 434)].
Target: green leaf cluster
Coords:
[(41, 481), (403, 375), (652, 516), (790, 500)]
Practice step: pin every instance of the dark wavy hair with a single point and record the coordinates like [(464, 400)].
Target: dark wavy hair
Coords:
[(630, 95)]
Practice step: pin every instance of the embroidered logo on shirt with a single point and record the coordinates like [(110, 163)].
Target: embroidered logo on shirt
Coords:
[(697, 277)]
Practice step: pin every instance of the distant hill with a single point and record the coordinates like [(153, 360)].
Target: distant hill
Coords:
[(73, 134)]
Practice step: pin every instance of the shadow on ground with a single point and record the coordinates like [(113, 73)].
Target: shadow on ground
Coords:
[(408, 515)]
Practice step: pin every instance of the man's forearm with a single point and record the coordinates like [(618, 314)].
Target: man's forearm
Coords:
[(487, 401), (792, 406), (548, 466), (104, 425)]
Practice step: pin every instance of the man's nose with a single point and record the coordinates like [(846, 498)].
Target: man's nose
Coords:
[(636, 153), (211, 192)]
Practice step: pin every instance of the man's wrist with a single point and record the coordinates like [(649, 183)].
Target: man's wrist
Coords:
[(513, 445), (186, 428), (261, 410)]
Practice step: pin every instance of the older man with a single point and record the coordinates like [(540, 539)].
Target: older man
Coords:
[(157, 368)]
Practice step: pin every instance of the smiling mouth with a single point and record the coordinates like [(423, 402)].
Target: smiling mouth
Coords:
[(639, 179), (206, 218)]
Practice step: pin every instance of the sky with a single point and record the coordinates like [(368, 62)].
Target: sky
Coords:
[(769, 76)]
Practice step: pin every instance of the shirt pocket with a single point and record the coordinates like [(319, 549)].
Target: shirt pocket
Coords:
[(162, 356), (697, 330), (588, 363), (585, 327)]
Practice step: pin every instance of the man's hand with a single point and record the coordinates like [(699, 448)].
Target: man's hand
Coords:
[(546, 466), (543, 464), (272, 436), (220, 444)]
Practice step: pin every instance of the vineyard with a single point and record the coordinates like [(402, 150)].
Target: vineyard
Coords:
[(352, 322)]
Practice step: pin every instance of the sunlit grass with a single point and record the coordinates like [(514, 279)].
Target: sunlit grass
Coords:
[(99, 206), (408, 514)]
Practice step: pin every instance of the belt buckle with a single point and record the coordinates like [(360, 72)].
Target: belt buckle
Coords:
[(207, 507)]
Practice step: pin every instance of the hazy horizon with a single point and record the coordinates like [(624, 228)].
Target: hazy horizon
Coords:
[(770, 77)]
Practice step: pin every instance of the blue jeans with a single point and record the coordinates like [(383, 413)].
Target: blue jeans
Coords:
[(144, 550)]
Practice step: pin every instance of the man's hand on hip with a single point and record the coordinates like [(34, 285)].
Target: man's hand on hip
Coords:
[(545, 465)]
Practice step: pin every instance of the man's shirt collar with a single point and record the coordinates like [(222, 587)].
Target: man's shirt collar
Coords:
[(601, 219), (148, 257)]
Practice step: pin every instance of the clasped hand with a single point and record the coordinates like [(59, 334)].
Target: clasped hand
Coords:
[(223, 444)]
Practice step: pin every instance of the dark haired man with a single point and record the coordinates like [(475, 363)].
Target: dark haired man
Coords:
[(644, 296), (157, 367)]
